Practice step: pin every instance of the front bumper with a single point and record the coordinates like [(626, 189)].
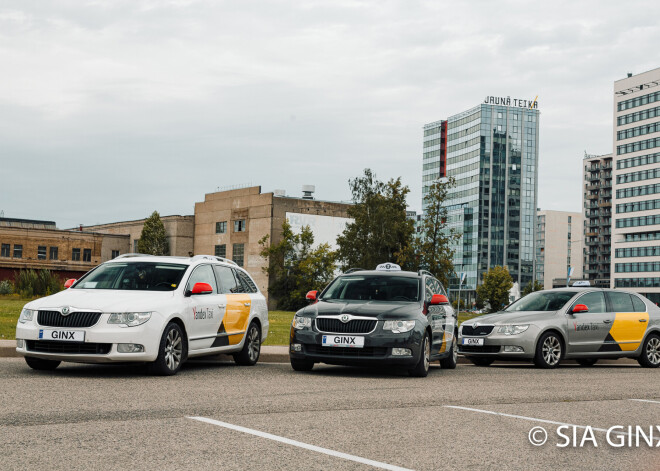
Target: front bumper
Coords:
[(99, 346), (495, 345), (377, 348)]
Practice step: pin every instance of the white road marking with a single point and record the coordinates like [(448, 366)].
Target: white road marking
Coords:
[(532, 419), (645, 400), (288, 441)]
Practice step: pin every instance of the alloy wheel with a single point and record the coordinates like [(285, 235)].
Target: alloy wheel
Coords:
[(653, 350), (173, 349), (551, 350), (253, 343)]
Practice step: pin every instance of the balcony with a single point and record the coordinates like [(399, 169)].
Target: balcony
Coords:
[(592, 196), (606, 166), (605, 204)]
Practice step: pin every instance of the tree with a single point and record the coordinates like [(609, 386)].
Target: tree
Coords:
[(380, 231), (296, 267), (153, 240), (433, 249), (531, 287), (495, 289)]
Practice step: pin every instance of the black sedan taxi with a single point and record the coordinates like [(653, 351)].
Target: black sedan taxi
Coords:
[(383, 316)]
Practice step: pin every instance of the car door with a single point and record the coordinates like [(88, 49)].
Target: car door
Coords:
[(238, 305), (587, 330), (204, 311), (628, 326), (435, 315)]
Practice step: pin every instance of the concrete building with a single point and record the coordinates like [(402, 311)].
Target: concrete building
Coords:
[(597, 205), (491, 151), (28, 244), (636, 228), (231, 224), (558, 246), (178, 229)]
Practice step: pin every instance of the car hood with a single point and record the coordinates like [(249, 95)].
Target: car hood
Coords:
[(503, 317), (103, 300), (380, 309)]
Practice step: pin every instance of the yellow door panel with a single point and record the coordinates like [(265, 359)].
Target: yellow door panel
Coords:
[(628, 331), (443, 346), (236, 318)]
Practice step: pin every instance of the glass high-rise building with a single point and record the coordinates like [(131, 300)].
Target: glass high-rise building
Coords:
[(491, 151)]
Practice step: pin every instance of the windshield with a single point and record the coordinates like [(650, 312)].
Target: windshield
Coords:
[(373, 288), (141, 276), (542, 301)]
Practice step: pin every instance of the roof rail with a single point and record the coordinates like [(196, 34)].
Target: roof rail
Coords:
[(351, 270), (424, 272), (131, 255), (212, 257)]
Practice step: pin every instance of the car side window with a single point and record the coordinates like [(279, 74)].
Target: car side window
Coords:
[(638, 304), (595, 301), (202, 274), (228, 284), (621, 302), (246, 281)]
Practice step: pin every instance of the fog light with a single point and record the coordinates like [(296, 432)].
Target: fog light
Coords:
[(296, 347), (20, 343), (401, 352), (130, 348), (513, 349)]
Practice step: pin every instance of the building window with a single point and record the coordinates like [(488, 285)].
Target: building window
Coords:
[(239, 225), (18, 250), (221, 250), (75, 255), (53, 253), (135, 245), (238, 254), (41, 252), (221, 227), (115, 253), (87, 255), (5, 250)]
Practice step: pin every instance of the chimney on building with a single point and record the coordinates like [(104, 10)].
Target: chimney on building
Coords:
[(308, 192), (629, 74)]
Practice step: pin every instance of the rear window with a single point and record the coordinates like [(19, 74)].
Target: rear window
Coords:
[(621, 302), (638, 304)]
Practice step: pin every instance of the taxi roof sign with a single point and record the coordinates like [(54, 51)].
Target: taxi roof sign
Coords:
[(582, 283), (388, 267)]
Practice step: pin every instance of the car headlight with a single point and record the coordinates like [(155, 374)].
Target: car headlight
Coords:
[(398, 327), (300, 322), (26, 315), (513, 329), (129, 319)]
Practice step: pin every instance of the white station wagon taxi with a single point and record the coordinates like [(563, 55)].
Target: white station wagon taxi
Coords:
[(141, 308)]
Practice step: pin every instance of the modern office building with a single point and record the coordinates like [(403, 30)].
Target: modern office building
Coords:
[(558, 247), (597, 205), (491, 151), (636, 228)]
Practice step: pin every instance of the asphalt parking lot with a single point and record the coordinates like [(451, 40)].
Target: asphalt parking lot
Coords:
[(215, 415)]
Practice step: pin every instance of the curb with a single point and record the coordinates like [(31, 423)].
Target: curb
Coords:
[(8, 349)]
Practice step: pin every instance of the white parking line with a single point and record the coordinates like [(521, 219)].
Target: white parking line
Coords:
[(532, 419), (645, 400), (288, 441)]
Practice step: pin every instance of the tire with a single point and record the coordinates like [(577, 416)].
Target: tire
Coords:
[(172, 351), (450, 362), (41, 364), (479, 361), (421, 370), (249, 355), (301, 365), (650, 357), (549, 351), (587, 361)]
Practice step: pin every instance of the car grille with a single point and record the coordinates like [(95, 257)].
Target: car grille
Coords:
[(75, 319), (366, 352), (481, 330), (51, 346), (357, 326), (477, 349)]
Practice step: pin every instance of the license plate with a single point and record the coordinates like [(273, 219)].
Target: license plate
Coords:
[(348, 341), (62, 335), (472, 341)]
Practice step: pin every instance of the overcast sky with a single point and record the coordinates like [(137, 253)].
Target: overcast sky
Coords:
[(111, 109)]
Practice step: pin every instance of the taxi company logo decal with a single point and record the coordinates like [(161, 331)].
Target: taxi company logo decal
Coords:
[(587, 326), (202, 313)]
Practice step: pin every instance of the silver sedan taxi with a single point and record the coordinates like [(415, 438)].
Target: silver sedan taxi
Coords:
[(567, 323)]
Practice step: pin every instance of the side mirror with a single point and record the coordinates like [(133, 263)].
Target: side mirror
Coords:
[(202, 288), (311, 295), (69, 283), (580, 308), (439, 299)]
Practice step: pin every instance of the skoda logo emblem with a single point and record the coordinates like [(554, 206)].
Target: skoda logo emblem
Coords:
[(65, 311), (345, 318), (476, 324)]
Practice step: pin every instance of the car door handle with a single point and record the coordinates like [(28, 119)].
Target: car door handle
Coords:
[(221, 306), (607, 321), (642, 320), (246, 304)]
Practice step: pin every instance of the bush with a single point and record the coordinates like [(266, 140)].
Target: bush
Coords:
[(30, 283), (6, 287)]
